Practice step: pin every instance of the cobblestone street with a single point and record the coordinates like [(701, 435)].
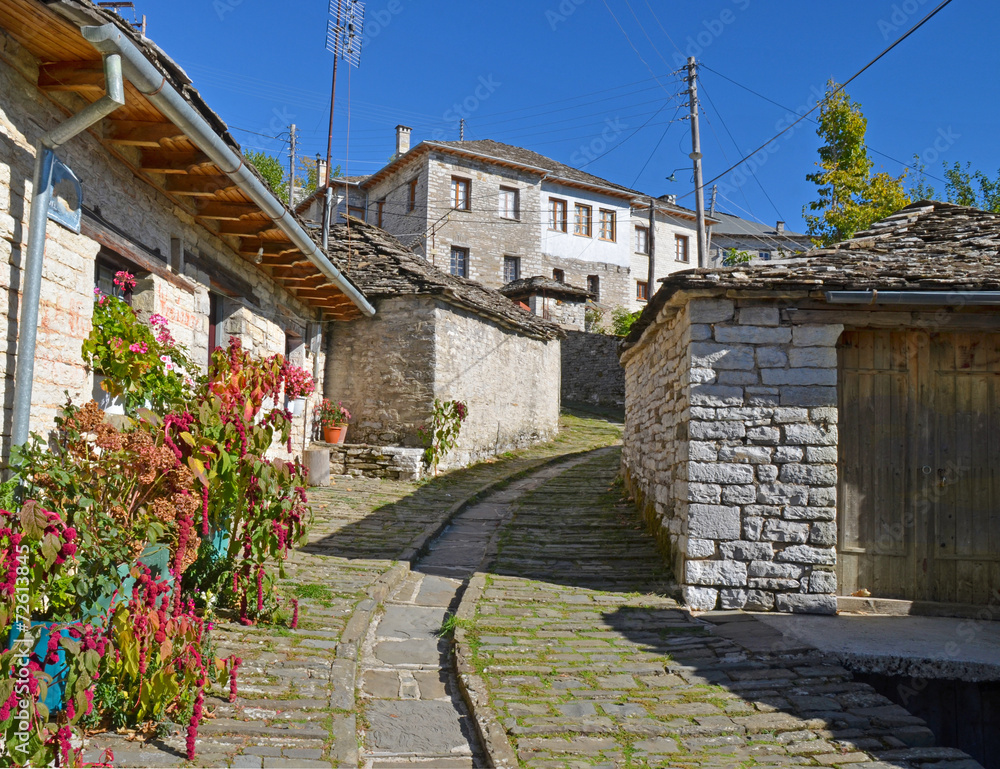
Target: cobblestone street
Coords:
[(571, 651)]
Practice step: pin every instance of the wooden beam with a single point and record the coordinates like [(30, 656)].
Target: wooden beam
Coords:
[(307, 281), (272, 250), (231, 212), (328, 293), (301, 269), (139, 133), (73, 76), (247, 227), (205, 186), (160, 161)]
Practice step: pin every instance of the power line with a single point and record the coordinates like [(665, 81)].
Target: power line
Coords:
[(839, 88), (747, 88)]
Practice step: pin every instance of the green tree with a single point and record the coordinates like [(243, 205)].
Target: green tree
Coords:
[(851, 197), (272, 170)]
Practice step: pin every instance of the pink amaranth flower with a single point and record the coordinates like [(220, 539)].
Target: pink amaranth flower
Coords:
[(295, 613), (138, 347), (157, 320)]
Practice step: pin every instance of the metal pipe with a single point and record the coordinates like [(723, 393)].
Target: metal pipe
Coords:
[(151, 82), (949, 298), (41, 193)]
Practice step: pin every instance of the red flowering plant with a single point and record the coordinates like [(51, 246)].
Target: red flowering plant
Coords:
[(330, 415), (38, 557), (140, 362), (254, 508), (298, 382)]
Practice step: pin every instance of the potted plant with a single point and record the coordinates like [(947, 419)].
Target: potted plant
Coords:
[(299, 385), (333, 419)]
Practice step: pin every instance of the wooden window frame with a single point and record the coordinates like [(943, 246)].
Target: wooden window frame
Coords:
[(594, 286), (465, 202), (577, 209), (451, 261), (613, 219), (686, 241), (559, 276), (645, 230), (412, 204), (516, 193), (358, 212), (642, 291), (516, 261), (558, 224), (379, 211)]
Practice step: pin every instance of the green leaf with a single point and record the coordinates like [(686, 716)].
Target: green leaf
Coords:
[(33, 519)]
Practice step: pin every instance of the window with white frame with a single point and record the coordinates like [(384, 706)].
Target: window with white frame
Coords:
[(641, 239), (509, 203), (459, 261)]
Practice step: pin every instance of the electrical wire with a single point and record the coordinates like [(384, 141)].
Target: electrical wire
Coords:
[(836, 91)]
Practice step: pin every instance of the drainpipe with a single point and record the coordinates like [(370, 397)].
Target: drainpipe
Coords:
[(45, 148), (154, 86)]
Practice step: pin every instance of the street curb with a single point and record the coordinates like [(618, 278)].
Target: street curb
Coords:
[(492, 734)]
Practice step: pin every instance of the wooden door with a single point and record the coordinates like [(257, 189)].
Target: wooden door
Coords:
[(919, 493)]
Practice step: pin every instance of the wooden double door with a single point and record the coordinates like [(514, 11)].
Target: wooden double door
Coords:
[(919, 465)]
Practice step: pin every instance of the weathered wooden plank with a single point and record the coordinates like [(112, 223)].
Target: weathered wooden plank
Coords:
[(224, 211), (206, 186), (75, 76), (134, 133), (160, 161)]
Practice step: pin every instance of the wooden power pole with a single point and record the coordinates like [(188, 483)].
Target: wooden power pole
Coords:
[(699, 197)]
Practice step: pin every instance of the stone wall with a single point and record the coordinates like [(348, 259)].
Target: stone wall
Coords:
[(568, 312), (757, 507), (591, 371), (145, 221), (377, 462), (509, 381)]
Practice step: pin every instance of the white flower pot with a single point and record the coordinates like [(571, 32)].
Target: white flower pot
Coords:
[(296, 406), (108, 404)]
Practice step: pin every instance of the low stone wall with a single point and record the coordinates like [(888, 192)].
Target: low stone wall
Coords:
[(377, 461), (591, 371), (731, 443)]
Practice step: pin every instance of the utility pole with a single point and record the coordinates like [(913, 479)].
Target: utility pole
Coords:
[(651, 247), (699, 198), (291, 168), (461, 130), (711, 213), (328, 197)]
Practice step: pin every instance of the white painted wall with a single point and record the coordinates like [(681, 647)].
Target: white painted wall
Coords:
[(593, 249)]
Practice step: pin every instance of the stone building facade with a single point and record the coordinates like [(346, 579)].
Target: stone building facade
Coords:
[(485, 211), (187, 270), (558, 302), (437, 336), (770, 438)]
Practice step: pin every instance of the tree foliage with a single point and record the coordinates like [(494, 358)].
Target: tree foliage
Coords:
[(851, 197), (272, 170), (963, 186)]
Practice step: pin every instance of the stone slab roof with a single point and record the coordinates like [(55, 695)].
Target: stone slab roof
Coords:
[(927, 246), (728, 224), (381, 267), (539, 284)]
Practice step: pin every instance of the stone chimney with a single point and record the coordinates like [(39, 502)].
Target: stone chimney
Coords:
[(780, 227), (321, 172), (402, 139)]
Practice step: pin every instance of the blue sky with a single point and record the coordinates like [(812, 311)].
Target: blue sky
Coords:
[(562, 77)]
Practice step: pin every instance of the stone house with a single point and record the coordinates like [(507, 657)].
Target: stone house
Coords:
[(166, 194), (496, 213), (438, 336), (763, 243), (802, 430), (346, 198), (559, 302)]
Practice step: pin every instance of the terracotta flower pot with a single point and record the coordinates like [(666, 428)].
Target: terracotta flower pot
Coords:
[(334, 433)]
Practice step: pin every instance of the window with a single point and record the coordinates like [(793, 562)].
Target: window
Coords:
[(559, 276), (594, 286), (765, 255), (357, 212), (582, 220), (413, 195), (681, 244), (511, 268), (641, 240), (509, 208), (460, 261), (607, 225), (460, 193), (379, 212), (557, 215), (216, 323), (106, 266), (641, 290)]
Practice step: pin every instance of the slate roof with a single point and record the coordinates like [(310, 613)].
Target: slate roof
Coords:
[(927, 246), (738, 227), (539, 284), (381, 267)]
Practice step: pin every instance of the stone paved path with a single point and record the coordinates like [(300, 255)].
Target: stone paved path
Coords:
[(408, 692), (296, 688), (588, 663)]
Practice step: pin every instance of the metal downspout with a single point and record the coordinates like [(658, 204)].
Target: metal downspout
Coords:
[(24, 370), (154, 86)]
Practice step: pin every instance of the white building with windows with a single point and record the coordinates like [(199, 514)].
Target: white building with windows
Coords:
[(497, 214)]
